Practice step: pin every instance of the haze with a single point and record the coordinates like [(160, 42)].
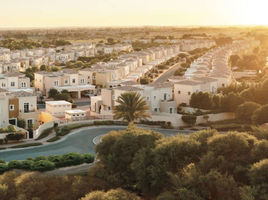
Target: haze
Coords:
[(55, 13)]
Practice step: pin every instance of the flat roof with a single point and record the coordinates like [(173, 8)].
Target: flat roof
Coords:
[(54, 103), (77, 111)]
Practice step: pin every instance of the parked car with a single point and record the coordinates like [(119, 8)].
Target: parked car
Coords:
[(88, 94)]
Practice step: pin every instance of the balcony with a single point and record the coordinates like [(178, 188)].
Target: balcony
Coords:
[(28, 111)]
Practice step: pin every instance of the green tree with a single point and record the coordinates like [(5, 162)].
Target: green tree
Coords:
[(131, 107), (201, 100), (117, 194), (52, 93), (245, 110), (21, 123), (189, 119), (260, 116)]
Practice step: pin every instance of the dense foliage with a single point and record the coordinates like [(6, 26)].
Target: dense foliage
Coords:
[(204, 165)]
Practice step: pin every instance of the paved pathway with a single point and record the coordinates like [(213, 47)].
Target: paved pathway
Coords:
[(168, 73)]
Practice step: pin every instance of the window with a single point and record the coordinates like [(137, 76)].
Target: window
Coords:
[(223, 85), (23, 84), (109, 108), (88, 77), (26, 107), (94, 77), (82, 81), (59, 106), (73, 80), (154, 97), (155, 109), (12, 84), (11, 107), (179, 92), (66, 81), (56, 83), (170, 110), (148, 98), (189, 93), (4, 84)]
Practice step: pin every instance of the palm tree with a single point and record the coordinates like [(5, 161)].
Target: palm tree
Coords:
[(131, 107)]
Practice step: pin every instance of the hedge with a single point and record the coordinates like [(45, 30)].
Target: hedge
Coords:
[(57, 159), (42, 165), (104, 122), (16, 136), (26, 164), (226, 127), (14, 164), (72, 159), (38, 158), (27, 145), (3, 167), (64, 131), (88, 158), (53, 139)]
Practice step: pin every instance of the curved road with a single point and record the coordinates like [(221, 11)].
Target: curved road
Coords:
[(80, 141), (168, 73)]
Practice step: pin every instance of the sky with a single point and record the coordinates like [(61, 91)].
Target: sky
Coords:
[(65, 13)]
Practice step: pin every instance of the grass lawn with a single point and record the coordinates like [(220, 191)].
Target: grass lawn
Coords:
[(27, 145)]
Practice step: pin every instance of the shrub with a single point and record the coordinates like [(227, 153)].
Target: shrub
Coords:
[(57, 160), (21, 123), (16, 136), (1, 141), (74, 105), (2, 161), (55, 125), (26, 164), (64, 131), (53, 139), (45, 133), (14, 164), (27, 145), (42, 165), (226, 127), (189, 119), (73, 159), (88, 158), (103, 122), (40, 158), (8, 129), (6, 140), (52, 93), (3, 167)]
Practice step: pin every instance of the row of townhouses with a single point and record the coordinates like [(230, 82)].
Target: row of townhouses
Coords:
[(128, 67), (207, 74), (20, 60)]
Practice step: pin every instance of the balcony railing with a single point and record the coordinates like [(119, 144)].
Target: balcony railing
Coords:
[(28, 111)]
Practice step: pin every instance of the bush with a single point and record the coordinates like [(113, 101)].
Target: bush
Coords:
[(42, 165), (8, 129), (57, 160), (27, 145), (103, 122), (14, 164), (1, 141), (2, 161), (26, 164), (56, 125), (6, 140), (38, 158), (3, 168), (21, 123), (226, 127), (88, 158), (189, 119), (73, 159), (16, 136), (74, 105), (45, 133), (64, 131), (53, 139), (52, 93)]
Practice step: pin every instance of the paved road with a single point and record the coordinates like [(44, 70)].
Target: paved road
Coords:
[(80, 141), (168, 73)]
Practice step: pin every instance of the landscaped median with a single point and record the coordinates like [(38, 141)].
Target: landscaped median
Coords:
[(42, 163)]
